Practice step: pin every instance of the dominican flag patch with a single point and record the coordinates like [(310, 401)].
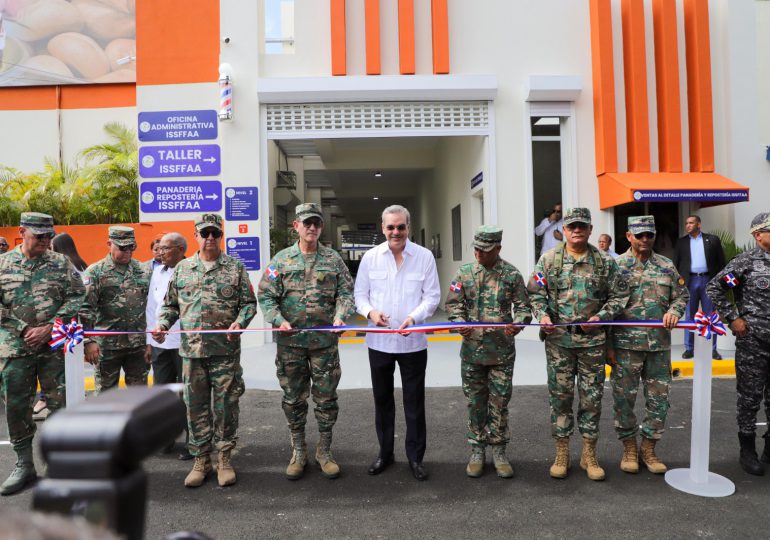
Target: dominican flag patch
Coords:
[(456, 286), (540, 280), (272, 273), (730, 280)]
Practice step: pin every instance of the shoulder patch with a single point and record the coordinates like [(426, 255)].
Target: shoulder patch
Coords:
[(272, 273), (730, 281), (681, 281), (540, 279), (456, 286)]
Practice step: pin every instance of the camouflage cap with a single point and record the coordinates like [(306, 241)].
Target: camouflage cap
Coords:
[(308, 210), (37, 223), (577, 215), (122, 236), (761, 222), (487, 237), (204, 221), (640, 224)]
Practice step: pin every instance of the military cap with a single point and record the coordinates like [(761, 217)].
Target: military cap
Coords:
[(204, 221), (577, 215), (37, 223), (640, 224), (487, 237), (122, 236), (761, 222), (308, 210)]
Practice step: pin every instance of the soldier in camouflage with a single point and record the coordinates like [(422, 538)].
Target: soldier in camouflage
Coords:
[(210, 291), (658, 292), (305, 285), (573, 283), (116, 299), (748, 277), (489, 290), (37, 286)]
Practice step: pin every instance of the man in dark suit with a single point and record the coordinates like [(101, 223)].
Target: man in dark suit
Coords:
[(698, 257)]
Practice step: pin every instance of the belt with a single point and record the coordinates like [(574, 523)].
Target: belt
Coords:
[(699, 273)]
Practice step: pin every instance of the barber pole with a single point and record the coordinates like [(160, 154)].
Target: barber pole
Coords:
[(225, 98)]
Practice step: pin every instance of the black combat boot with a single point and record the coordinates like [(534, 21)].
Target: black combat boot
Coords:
[(749, 461), (766, 453)]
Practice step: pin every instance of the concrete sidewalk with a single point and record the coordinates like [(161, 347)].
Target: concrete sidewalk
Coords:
[(449, 505)]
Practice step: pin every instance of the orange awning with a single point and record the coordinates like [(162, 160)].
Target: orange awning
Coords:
[(705, 187)]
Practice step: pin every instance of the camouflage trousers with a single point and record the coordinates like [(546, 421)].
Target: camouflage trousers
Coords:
[(654, 369), (488, 390), (564, 365), (302, 371), (212, 390), (107, 373), (752, 377), (18, 387)]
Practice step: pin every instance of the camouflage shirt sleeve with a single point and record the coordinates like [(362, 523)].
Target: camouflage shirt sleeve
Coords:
[(169, 311), (680, 295), (522, 308), (455, 299), (618, 292), (247, 299), (717, 291), (270, 293), (91, 298), (74, 294), (538, 293), (345, 304)]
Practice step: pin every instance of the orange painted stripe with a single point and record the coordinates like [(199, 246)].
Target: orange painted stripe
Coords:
[(603, 76), (372, 16), (440, 27), (90, 96), (698, 54), (635, 78), (406, 36), (667, 86), (177, 41), (338, 37)]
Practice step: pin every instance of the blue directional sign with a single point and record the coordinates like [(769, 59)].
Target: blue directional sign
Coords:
[(246, 249), (181, 196), (182, 160), (241, 203), (178, 125)]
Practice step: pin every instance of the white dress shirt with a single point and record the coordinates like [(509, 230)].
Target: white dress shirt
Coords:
[(545, 229), (698, 263), (161, 275), (410, 291)]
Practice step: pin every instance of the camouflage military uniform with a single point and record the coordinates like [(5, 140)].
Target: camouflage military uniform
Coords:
[(307, 290), (487, 356), (570, 290), (116, 299), (656, 289), (748, 276), (33, 292), (210, 299)]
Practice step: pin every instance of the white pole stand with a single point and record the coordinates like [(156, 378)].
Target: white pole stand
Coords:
[(697, 480), (74, 376)]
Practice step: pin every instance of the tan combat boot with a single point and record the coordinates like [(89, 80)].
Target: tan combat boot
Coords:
[(201, 468), (561, 463), (475, 466), (648, 457), (225, 471), (324, 458), (630, 461), (588, 460), (23, 473), (502, 465), (296, 468)]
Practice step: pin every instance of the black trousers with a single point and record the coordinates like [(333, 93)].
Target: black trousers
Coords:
[(166, 366), (412, 367)]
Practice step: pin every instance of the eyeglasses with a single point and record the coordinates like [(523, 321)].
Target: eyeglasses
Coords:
[(642, 235), (577, 225), (215, 233), (163, 249), (129, 247), (3, 244), (312, 222), (401, 227), (44, 236)]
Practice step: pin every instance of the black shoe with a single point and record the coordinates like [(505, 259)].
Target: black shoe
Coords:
[(687, 355), (380, 464), (749, 461), (715, 355), (185, 455), (418, 470)]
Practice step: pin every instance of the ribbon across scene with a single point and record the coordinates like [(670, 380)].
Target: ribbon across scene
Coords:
[(70, 335)]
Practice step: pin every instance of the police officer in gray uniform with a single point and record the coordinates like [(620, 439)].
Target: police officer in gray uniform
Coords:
[(748, 277)]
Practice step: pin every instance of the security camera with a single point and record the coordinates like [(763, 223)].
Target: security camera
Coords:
[(226, 39)]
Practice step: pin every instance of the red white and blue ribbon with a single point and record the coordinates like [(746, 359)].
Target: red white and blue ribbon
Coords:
[(69, 335), (708, 325)]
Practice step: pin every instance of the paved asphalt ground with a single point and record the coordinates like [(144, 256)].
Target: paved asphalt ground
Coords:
[(263, 504)]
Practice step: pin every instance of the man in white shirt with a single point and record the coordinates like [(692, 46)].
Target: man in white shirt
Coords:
[(605, 244), (397, 286), (550, 229), (166, 362)]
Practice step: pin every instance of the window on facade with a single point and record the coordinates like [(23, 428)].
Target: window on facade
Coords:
[(457, 238), (279, 27), (546, 179)]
